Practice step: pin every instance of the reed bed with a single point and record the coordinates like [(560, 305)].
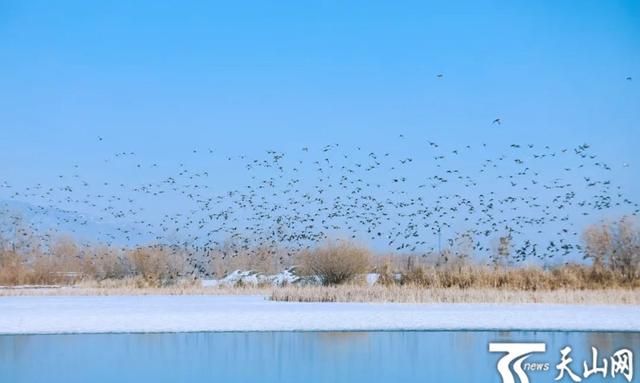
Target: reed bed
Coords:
[(609, 274), (352, 293), (415, 294)]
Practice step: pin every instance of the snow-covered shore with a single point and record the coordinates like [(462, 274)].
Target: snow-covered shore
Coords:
[(117, 314)]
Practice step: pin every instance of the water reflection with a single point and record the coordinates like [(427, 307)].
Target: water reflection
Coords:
[(460, 356)]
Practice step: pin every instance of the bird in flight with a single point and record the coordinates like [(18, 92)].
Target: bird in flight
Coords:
[(629, 78), (497, 121), (439, 75)]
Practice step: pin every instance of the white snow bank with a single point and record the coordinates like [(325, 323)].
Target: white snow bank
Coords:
[(284, 277), (372, 278), (101, 314)]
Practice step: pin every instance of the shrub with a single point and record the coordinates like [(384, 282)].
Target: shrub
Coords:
[(386, 276), (336, 263), (614, 246), (157, 266), (418, 276), (12, 269)]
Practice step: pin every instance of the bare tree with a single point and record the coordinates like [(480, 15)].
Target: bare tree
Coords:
[(614, 246)]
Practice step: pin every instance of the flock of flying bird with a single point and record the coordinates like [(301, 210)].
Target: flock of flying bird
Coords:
[(460, 199)]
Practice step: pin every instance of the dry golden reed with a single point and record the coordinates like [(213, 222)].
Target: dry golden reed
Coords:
[(611, 273)]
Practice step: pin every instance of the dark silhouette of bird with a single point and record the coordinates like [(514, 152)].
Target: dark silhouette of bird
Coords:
[(464, 196)]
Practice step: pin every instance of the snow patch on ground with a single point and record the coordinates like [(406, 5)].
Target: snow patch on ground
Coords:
[(118, 314), (252, 278), (372, 278)]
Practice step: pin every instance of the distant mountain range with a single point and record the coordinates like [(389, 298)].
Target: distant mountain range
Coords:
[(55, 221)]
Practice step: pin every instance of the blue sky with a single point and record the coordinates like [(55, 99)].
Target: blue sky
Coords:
[(294, 72), (162, 78)]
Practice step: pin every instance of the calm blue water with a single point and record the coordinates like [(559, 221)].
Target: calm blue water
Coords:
[(440, 356)]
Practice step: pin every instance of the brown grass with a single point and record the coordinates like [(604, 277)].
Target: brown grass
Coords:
[(349, 293), (611, 276), (528, 278), (413, 294), (132, 286)]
